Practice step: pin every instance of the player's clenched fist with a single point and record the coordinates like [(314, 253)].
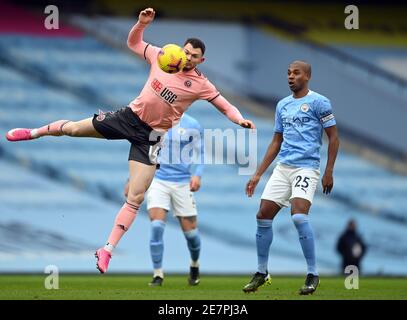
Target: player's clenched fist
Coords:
[(146, 16)]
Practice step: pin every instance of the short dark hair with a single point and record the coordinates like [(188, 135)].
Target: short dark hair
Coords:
[(196, 43), (305, 65)]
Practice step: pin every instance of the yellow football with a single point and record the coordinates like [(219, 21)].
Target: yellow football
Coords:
[(172, 58)]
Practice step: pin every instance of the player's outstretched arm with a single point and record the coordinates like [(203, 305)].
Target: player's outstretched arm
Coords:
[(333, 146), (231, 112), (135, 39), (271, 154)]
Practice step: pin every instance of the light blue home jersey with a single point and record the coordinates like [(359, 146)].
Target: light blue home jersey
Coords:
[(182, 151), (301, 121)]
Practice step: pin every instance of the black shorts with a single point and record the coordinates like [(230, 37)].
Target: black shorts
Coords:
[(125, 124)]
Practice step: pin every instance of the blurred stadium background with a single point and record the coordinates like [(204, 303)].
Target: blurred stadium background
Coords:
[(58, 199)]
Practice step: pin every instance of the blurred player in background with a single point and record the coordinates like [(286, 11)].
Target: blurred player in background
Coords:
[(299, 123), (172, 189), (351, 247), (160, 105)]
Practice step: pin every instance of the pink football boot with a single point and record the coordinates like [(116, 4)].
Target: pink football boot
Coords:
[(19, 134), (103, 257)]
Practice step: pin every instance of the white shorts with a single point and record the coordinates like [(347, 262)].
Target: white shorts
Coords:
[(173, 196), (288, 182)]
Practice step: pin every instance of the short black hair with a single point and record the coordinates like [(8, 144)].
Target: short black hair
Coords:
[(305, 65), (196, 43)]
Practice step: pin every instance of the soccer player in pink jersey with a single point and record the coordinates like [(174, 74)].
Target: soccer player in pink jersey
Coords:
[(159, 106)]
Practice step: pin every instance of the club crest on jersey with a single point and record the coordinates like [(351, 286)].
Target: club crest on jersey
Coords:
[(101, 116), (304, 107), (187, 83), (181, 131), (156, 85)]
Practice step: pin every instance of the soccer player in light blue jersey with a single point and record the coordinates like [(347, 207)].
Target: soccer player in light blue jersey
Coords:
[(300, 121), (181, 161)]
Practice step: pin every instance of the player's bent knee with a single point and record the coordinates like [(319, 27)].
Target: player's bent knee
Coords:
[(188, 227), (71, 129), (299, 205), (135, 198), (261, 215), (266, 212)]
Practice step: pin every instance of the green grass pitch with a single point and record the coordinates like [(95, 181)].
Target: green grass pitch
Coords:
[(115, 286)]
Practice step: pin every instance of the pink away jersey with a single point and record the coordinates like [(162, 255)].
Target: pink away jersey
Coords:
[(165, 97)]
